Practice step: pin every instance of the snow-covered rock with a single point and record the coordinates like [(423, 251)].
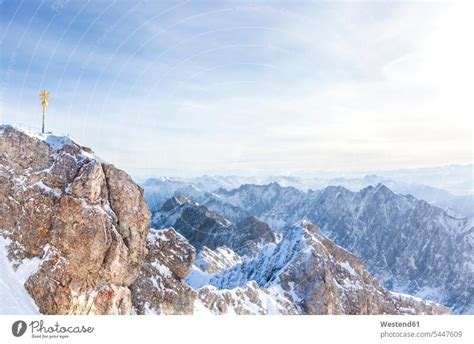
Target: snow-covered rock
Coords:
[(318, 277), (160, 288), (245, 300), (212, 261)]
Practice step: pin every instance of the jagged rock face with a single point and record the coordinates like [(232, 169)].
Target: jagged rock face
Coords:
[(205, 228), (84, 218), (220, 259), (160, 288), (318, 277), (254, 233)]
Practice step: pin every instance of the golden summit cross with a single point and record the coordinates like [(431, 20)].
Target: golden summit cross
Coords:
[(44, 95)]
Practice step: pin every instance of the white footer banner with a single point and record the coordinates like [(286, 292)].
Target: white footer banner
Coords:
[(236, 329)]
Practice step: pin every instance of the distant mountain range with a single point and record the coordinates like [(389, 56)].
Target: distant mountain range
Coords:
[(450, 188)]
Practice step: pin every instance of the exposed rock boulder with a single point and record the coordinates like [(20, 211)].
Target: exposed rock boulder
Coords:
[(84, 218)]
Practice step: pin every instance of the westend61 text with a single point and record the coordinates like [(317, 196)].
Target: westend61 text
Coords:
[(399, 324)]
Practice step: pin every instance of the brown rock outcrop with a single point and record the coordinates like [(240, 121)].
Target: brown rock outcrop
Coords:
[(85, 218)]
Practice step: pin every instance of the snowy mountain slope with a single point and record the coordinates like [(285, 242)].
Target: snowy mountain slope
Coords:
[(317, 277)]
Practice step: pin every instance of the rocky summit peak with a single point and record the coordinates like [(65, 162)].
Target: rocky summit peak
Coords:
[(81, 220), (55, 142), (174, 202)]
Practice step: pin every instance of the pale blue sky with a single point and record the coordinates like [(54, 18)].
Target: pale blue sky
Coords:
[(196, 87)]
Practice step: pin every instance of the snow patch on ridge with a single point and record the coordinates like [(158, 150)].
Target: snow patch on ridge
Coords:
[(13, 295)]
